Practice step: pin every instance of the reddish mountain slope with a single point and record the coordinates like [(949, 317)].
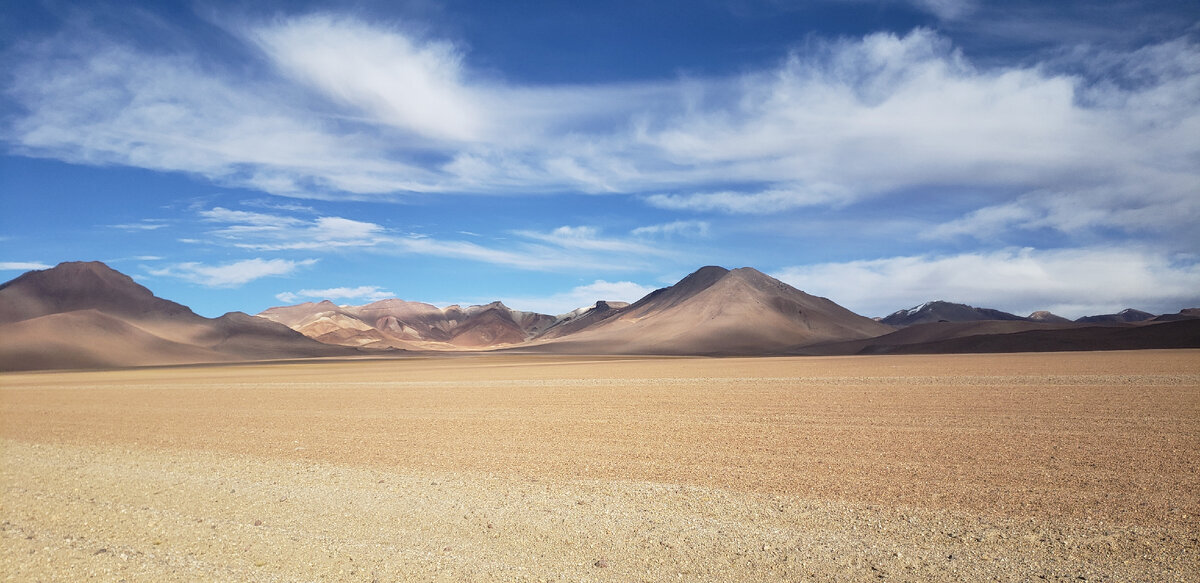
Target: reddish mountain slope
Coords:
[(404, 324)]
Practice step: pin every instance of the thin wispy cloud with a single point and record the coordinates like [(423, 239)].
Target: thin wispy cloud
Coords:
[(568, 247), (673, 228), (366, 293), (231, 274), (590, 238), (22, 265), (947, 9), (144, 225), (753, 203)]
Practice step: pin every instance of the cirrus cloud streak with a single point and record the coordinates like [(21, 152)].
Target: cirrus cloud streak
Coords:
[(231, 274)]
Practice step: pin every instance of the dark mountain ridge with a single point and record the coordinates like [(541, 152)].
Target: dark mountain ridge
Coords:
[(1126, 315), (942, 311)]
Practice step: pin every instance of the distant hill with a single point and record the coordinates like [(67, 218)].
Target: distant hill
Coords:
[(940, 311), (87, 315), (1184, 314), (1178, 334), (1127, 315), (1020, 336)]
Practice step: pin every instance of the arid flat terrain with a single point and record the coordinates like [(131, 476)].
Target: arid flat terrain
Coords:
[(1051, 466)]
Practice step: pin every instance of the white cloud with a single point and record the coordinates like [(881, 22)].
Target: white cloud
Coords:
[(943, 9), (1069, 282), (888, 115), (231, 274), (22, 265), (764, 202), (274, 232), (588, 238), (247, 218), (947, 9), (567, 247), (580, 296), (361, 109), (144, 225), (684, 228), (385, 73), (92, 100), (368, 293), (533, 257), (1156, 204), (338, 229)]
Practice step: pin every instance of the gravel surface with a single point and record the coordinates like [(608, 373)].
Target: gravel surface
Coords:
[(1065, 467)]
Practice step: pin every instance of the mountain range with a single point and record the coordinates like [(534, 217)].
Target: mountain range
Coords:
[(942, 311), (87, 315)]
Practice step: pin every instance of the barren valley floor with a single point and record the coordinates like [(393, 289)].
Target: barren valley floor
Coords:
[(1064, 466)]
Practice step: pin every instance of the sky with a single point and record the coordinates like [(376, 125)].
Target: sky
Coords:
[(1019, 155)]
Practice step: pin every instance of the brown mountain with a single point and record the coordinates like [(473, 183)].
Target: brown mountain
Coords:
[(718, 311), (413, 325), (1045, 316), (83, 285), (1184, 314), (85, 314)]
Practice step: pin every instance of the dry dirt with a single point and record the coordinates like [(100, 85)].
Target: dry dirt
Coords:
[(1022, 467)]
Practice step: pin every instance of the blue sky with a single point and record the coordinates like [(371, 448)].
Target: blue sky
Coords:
[(1014, 155)]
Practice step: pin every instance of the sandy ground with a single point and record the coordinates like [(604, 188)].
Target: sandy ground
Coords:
[(1021, 467)]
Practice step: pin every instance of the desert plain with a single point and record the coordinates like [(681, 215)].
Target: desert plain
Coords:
[(509, 467)]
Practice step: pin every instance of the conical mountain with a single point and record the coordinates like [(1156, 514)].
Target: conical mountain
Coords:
[(718, 311), (81, 285)]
